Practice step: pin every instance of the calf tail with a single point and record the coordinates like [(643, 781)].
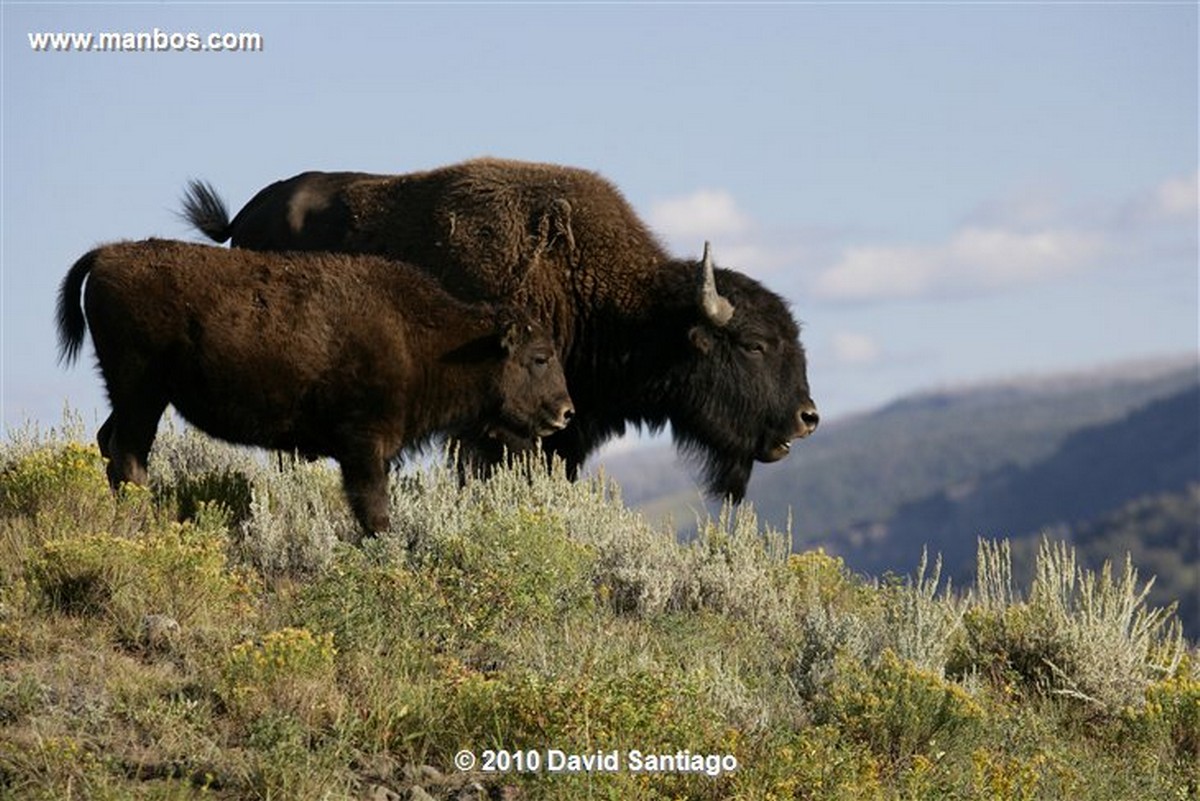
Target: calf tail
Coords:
[(205, 210), (71, 323)]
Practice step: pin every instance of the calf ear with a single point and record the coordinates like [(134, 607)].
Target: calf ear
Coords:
[(514, 335), (509, 337)]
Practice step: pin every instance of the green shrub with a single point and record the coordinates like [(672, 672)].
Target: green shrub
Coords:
[(825, 580), (52, 767), (1004, 777), (1116, 646), (1171, 716), (226, 488), (483, 585), (68, 477), (827, 637), (295, 519), (285, 514), (921, 625), (286, 673), (177, 570), (368, 605), (812, 762), (653, 709), (736, 568), (897, 709), (512, 569), (1080, 635)]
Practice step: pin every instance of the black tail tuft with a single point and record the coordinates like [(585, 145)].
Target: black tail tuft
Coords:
[(71, 323), (205, 210)]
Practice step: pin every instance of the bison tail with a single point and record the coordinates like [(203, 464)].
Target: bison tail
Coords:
[(204, 209), (71, 323)]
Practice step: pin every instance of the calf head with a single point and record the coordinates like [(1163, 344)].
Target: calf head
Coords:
[(531, 384)]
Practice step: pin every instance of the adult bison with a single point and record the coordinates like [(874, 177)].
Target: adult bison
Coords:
[(351, 357), (645, 338)]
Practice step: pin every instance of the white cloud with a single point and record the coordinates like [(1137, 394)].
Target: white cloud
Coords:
[(686, 222), (1032, 236), (1173, 201), (1033, 205), (976, 258), (853, 349), (704, 214), (1177, 198)]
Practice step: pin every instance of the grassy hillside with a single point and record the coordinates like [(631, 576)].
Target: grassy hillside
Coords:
[(211, 637)]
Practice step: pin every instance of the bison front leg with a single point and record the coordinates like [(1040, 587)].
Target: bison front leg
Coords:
[(364, 479)]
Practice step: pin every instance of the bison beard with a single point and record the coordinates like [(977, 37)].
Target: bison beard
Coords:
[(645, 339)]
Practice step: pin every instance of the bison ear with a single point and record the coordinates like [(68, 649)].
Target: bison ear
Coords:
[(716, 308), (700, 338), (509, 336), (514, 334)]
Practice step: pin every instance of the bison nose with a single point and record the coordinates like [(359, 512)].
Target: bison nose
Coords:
[(807, 419), (565, 414)]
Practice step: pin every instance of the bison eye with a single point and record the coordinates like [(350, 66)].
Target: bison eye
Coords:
[(755, 347)]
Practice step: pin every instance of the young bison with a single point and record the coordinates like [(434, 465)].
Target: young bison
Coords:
[(352, 357)]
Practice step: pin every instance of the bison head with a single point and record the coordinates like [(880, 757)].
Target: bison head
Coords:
[(744, 393), (533, 389)]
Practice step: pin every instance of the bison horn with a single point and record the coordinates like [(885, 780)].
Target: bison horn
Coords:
[(716, 308)]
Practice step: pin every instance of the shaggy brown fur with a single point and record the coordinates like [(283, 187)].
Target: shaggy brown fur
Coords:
[(356, 358), (639, 341)]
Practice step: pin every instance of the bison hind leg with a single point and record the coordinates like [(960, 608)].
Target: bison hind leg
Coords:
[(104, 438), (365, 483), (125, 439)]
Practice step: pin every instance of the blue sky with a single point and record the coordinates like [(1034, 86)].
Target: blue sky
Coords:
[(945, 193)]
